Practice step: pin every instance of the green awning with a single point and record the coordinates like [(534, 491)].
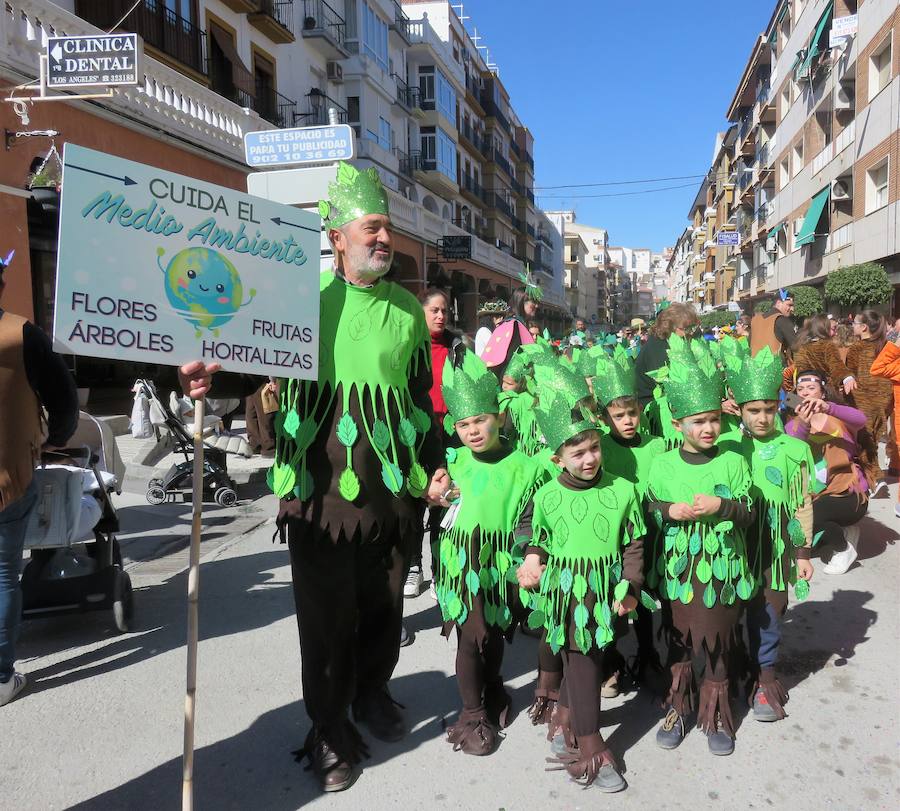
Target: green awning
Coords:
[(775, 230), (807, 233), (773, 37), (816, 44)]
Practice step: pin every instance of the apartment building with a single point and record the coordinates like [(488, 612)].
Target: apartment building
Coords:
[(816, 152), (634, 285)]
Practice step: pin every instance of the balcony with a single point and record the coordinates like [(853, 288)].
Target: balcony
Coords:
[(408, 96), (518, 224), (409, 164), (427, 172), (517, 187), (325, 29), (469, 185), (275, 108), (530, 230), (317, 106), (502, 162), (502, 204), (401, 23), (544, 237), (472, 138), (275, 19), (160, 27), (746, 134), (493, 111)]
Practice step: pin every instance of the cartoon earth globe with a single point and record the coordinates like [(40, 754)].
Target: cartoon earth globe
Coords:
[(203, 287)]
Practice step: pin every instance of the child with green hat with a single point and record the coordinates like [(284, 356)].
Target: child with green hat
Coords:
[(484, 530), (587, 559), (782, 470), (699, 496)]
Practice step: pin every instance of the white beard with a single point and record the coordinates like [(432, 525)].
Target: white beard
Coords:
[(361, 259)]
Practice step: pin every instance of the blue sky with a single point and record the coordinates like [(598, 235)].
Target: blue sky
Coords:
[(621, 91)]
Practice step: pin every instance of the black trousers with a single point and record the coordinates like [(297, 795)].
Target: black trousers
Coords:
[(832, 513), (349, 599)]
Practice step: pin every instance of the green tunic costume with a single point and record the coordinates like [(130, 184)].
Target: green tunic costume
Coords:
[(631, 459), (584, 533)]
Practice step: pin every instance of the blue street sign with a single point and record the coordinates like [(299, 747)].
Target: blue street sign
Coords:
[(728, 238), (298, 145)]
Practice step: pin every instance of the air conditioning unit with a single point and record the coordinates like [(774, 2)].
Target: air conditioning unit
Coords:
[(843, 98), (802, 72), (841, 189), (334, 71)]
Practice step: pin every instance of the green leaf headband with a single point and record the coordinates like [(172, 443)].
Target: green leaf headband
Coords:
[(756, 377), (532, 288), (562, 393), (691, 383), (614, 376), (352, 195), (468, 386)]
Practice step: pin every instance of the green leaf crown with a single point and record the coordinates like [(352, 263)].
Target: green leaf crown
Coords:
[(691, 382), (468, 386), (562, 411), (756, 377), (352, 195), (614, 376)]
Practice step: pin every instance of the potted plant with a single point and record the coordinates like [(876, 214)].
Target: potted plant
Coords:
[(45, 184)]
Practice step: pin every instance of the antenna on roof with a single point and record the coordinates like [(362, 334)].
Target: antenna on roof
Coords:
[(460, 12), (475, 36)]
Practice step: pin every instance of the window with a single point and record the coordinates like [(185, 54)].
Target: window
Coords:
[(446, 155), (426, 86), (375, 37), (385, 135), (880, 68), (446, 97), (796, 226), (353, 109), (798, 158), (784, 175), (877, 186)]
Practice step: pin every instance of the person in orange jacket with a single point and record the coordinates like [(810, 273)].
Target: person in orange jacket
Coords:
[(887, 365)]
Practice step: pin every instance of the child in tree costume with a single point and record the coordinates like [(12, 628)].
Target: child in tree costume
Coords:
[(354, 452), (481, 545), (517, 399), (588, 530), (781, 538), (699, 497)]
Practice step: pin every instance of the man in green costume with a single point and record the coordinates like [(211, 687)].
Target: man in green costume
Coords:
[(355, 451)]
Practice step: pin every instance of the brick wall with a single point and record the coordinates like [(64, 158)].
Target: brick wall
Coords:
[(889, 146)]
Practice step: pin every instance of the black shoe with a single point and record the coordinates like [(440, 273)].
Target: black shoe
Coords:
[(671, 732), (333, 772), (381, 715)]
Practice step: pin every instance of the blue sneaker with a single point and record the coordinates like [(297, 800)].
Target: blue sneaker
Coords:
[(671, 732)]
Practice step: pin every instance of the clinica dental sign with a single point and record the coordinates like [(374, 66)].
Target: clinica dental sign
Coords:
[(100, 59)]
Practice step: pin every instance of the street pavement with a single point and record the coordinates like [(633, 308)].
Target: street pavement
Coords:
[(100, 726)]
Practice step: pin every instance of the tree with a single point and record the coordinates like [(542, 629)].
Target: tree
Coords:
[(718, 318), (807, 301), (858, 286), (762, 307)]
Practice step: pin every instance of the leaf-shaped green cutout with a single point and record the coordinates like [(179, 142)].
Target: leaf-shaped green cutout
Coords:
[(306, 432), (452, 565), (291, 423), (720, 568), (711, 543), (672, 589), (727, 594), (281, 479), (566, 580), (418, 479), (621, 590), (593, 581), (695, 543), (504, 561), (504, 616), (601, 526), (686, 593), (348, 484), (484, 554), (484, 577), (579, 586), (681, 542), (381, 436), (407, 432), (709, 596), (303, 489), (557, 639), (462, 557), (615, 572), (449, 425), (582, 640), (454, 606), (722, 491), (525, 597), (817, 537), (801, 589), (670, 541), (681, 564), (347, 432), (795, 532), (472, 582), (580, 615), (536, 619), (603, 636), (704, 571), (735, 569), (773, 474), (579, 509), (420, 419), (744, 588), (463, 615), (647, 601), (392, 477), (490, 613)]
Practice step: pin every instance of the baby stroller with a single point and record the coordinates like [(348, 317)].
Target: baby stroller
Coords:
[(76, 563), (218, 486)]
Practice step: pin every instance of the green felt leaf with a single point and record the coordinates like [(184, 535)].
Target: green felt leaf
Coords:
[(557, 639), (817, 537), (504, 561), (722, 491), (381, 435), (695, 543), (579, 509), (449, 425), (658, 517), (773, 517), (504, 617), (801, 589), (407, 432), (621, 590), (711, 543), (303, 489), (472, 582), (484, 555), (495, 575), (647, 601), (704, 571), (681, 564), (795, 532), (593, 582), (566, 580), (392, 477), (348, 484), (536, 619), (525, 597), (709, 596), (451, 455), (579, 586), (454, 605), (615, 572), (582, 640), (418, 480), (490, 613), (686, 593), (484, 577), (603, 636), (669, 541), (778, 547), (463, 615), (773, 474), (347, 432), (462, 557), (682, 542), (420, 419), (511, 574), (744, 588), (720, 568), (581, 615), (672, 589), (452, 565), (661, 565), (281, 479), (735, 566)]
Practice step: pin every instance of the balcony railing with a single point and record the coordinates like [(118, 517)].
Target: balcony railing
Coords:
[(518, 224), (319, 17), (529, 229), (282, 11), (517, 187), (407, 95), (274, 107), (410, 163), (502, 162), (471, 185), (317, 107), (745, 127), (471, 136), (492, 109), (762, 92), (401, 22), (159, 26), (544, 237), (473, 85), (502, 204)]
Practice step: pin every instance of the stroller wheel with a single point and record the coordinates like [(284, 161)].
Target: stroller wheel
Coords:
[(155, 483), (226, 497), (123, 602), (156, 494)]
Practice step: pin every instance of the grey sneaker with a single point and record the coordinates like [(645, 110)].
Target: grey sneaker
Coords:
[(762, 710), (671, 732), (608, 780), (558, 745), (11, 688), (720, 743), (414, 582)]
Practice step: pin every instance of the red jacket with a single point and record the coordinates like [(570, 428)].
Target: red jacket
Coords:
[(440, 347)]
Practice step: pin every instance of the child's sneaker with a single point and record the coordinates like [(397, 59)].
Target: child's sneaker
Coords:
[(762, 710), (11, 688), (671, 732), (610, 688), (414, 582), (720, 742), (841, 561)]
